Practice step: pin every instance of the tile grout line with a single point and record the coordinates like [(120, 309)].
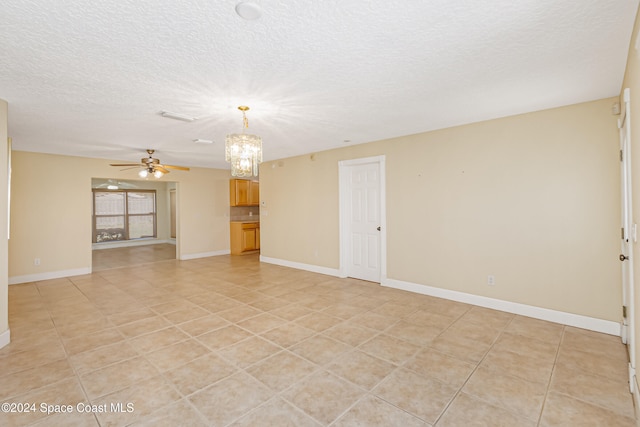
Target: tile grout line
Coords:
[(550, 380), (477, 365), (71, 365), (578, 398)]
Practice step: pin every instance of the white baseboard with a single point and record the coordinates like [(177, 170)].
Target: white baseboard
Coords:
[(300, 266), (5, 338), (128, 243), (204, 254), (561, 317), (80, 271), (636, 399), (48, 275)]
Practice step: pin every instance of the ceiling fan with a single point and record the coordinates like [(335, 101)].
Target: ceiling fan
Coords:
[(150, 165)]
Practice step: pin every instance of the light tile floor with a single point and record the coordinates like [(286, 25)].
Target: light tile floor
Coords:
[(231, 341), (104, 259)]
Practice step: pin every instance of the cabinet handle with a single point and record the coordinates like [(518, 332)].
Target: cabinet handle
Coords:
[(378, 228)]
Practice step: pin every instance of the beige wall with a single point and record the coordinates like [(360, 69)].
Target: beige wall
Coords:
[(51, 211), (532, 199), (4, 309), (632, 81)]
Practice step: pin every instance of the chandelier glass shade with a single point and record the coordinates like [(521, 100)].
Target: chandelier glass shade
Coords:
[(243, 151)]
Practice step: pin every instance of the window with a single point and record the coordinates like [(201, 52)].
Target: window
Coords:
[(123, 215)]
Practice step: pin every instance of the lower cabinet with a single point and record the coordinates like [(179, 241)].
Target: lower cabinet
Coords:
[(245, 237)]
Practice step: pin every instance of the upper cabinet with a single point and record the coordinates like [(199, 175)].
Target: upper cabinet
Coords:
[(254, 193), (244, 193)]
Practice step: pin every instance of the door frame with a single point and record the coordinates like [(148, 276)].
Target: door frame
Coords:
[(628, 235), (344, 192)]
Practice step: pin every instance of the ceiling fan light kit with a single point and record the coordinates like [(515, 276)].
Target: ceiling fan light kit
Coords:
[(144, 173), (243, 151)]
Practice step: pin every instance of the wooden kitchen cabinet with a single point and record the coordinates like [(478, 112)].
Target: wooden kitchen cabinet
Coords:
[(243, 192), (245, 237), (254, 193)]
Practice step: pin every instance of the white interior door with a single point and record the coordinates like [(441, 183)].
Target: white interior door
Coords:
[(362, 219), (628, 234)]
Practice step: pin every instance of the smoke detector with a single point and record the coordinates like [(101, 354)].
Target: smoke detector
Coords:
[(248, 10)]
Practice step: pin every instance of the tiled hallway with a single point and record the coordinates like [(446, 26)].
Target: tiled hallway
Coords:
[(230, 341), (105, 259)]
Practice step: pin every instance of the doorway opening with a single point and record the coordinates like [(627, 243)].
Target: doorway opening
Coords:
[(126, 244)]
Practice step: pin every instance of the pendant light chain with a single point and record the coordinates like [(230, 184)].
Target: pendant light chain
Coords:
[(245, 121)]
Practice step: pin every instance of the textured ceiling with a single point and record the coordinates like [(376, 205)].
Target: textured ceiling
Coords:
[(89, 77)]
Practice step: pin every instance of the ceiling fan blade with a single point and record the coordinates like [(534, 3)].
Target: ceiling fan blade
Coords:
[(151, 164), (130, 167), (182, 168)]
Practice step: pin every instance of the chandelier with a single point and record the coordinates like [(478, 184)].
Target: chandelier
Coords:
[(243, 150)]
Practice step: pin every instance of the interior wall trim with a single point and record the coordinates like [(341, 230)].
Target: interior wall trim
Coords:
[(204, 254), (15, 280), (301, 266), (636, 400), (5, 338), (561, 317)]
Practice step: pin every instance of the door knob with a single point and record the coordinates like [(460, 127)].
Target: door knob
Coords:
[(623, 257)]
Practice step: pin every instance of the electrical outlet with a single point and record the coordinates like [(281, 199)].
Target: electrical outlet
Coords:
[(36, 261), (491, 280)]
